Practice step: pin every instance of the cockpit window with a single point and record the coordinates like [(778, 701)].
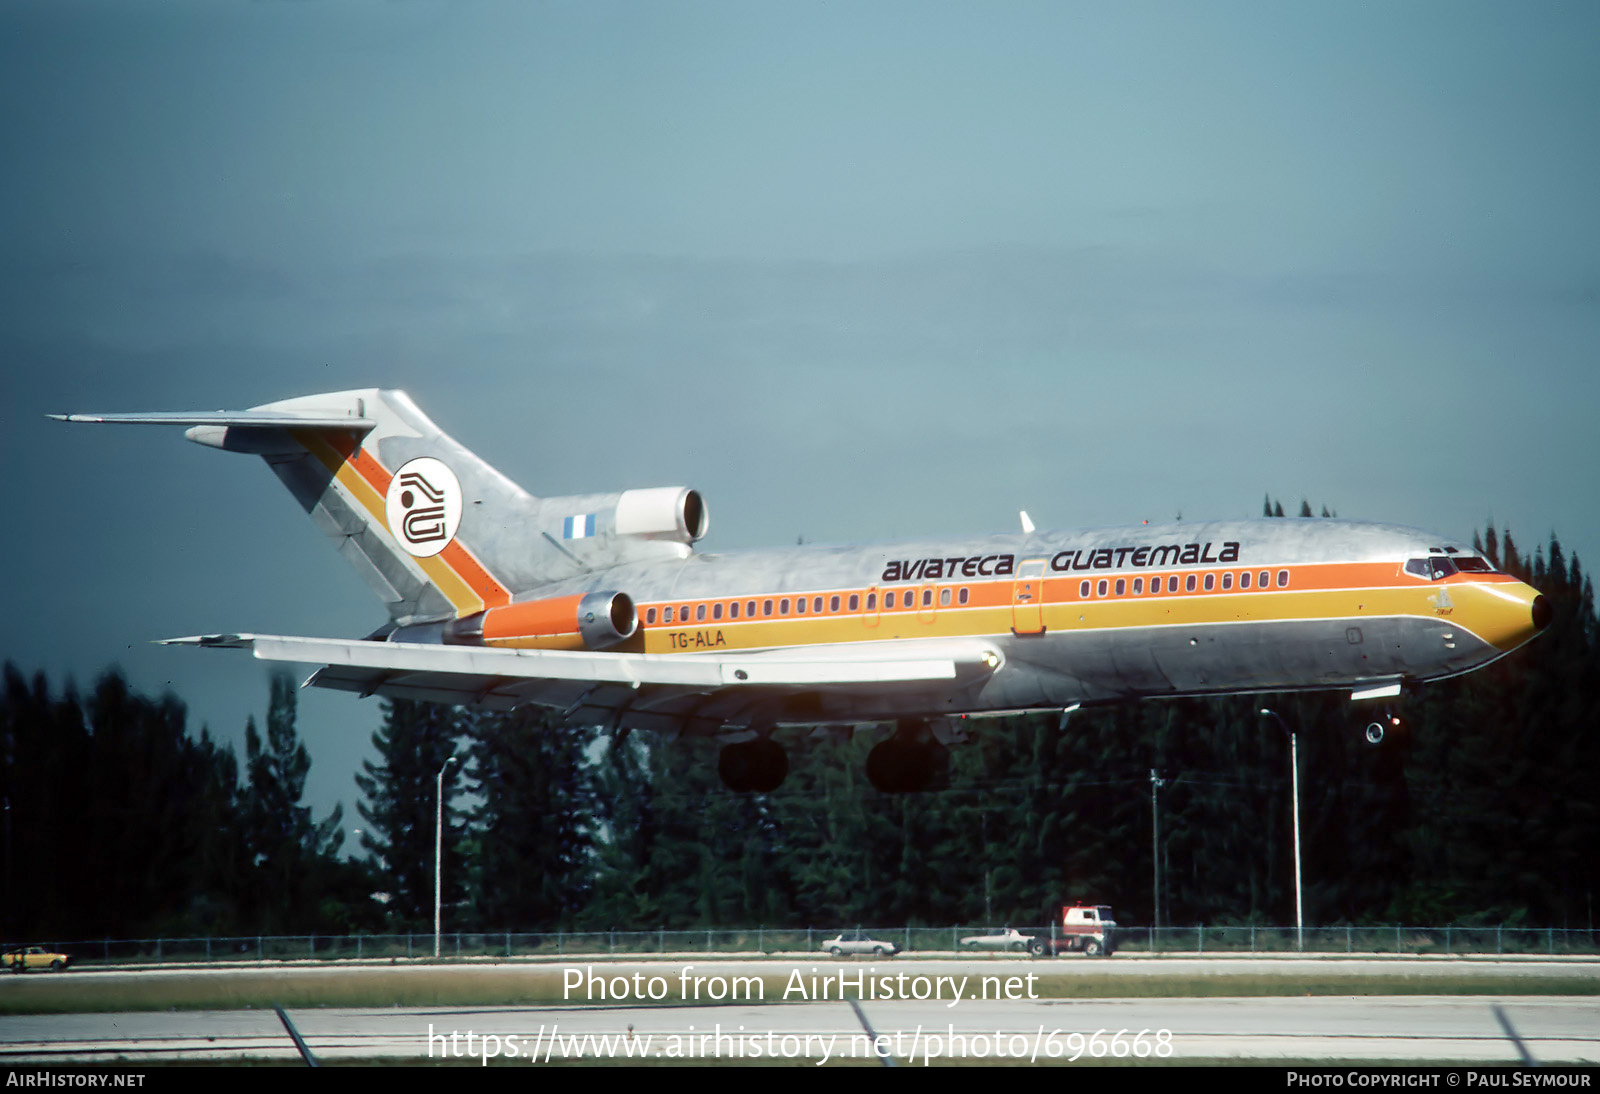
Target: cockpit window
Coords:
[(1433, 567), (1469, 564)]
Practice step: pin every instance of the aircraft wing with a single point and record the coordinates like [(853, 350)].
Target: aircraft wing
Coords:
[(698, 693)]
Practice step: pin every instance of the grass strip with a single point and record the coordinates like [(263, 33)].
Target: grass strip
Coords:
[(422, 986)]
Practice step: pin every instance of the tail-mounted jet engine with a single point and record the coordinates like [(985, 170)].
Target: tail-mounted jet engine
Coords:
[(664, 512), (583, 621)]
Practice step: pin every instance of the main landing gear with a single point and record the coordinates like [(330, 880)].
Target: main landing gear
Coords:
[(753, 767), (911, 760)]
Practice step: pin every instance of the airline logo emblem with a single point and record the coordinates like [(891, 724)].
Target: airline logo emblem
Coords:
[(423, 506)]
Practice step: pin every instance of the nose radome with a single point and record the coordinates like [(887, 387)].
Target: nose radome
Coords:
[(1541, 612)]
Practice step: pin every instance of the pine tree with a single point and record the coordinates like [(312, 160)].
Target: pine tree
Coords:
[(284, 843), (533, 830), (401, 799)]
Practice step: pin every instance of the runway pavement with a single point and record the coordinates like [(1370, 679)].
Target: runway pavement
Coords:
[(1412, 1028)]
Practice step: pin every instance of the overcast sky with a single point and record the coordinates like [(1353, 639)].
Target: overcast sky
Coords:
[(855, 271)]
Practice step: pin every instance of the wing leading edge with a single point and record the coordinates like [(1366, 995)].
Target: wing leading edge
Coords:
[(640, 690)]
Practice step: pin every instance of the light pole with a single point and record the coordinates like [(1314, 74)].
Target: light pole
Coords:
[(438, 848), (1294, 783), (1156, 783)]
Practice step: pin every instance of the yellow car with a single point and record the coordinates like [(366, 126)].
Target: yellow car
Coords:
[(29, 958)]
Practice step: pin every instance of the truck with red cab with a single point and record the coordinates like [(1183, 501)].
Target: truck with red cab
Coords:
[(1088, 928)]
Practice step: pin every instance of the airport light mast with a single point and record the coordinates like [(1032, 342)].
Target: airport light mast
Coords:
[(438, 848), (1294, 783)]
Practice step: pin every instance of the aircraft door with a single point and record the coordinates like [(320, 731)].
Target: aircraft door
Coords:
[(870, 607), (1027, 598)]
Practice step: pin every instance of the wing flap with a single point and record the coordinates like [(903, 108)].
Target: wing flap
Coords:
[(696, 672)]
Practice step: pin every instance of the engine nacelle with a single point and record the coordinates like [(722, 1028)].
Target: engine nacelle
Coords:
[(674, 513), (583, 621)]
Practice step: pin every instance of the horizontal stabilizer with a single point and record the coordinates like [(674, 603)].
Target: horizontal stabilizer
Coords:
[(237, 419)]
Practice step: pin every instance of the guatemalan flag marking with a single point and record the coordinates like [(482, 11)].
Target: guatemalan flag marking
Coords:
[(578, 527)]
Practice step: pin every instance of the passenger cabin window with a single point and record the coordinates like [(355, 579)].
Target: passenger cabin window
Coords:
[(1138, 586), (833, 604), (1188, 584), (1172, 583), (1266, 579), (872, 602), (766, 607), (650, 616), (1283, 578), (888, 600), (733, 610), (1100, 589), (927, 598), (1244, 580), (1122, 585), (1083, 590), (750, 609), (716, 611), (963, 597), (816, 604), (783, 606), (800, 606), (1227, 581), (944, 598), (855, 601), (666, 615), (1211, 581), (700, 612)]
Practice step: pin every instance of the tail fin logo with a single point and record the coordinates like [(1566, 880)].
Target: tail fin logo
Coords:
[(423, 506)]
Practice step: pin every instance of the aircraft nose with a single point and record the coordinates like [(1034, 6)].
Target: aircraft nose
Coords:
[(1541, 612)]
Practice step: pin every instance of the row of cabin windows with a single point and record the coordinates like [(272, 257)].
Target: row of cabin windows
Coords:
[(908, 599), (802, 605), (1209, 582)]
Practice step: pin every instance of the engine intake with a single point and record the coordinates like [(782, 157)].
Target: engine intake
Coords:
[(664, 512)]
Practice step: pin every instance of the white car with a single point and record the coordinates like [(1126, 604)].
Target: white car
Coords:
[(1008, 939), (859, 942)]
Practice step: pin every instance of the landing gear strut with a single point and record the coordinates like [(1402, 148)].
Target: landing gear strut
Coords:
[(909, 761), (757, 766)]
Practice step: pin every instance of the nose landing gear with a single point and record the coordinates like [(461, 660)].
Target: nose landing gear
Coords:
[(1379, 726)]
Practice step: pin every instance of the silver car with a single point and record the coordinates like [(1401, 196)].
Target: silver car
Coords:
[(1008, 939), (859, 942)]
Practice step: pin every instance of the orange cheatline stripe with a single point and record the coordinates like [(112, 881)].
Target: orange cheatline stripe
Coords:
[(456, 571), (1330, 590)]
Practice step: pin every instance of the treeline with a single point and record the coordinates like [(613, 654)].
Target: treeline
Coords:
[(1478, 807)]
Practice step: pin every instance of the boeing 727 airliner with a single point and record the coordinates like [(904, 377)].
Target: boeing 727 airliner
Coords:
[(599, 607)]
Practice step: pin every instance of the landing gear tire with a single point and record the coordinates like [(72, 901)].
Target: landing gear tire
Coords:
[(757, 766), (910, 761)]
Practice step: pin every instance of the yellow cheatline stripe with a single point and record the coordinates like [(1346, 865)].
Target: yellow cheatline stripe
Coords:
[(460, 595), (1476, 611), (363, 493)]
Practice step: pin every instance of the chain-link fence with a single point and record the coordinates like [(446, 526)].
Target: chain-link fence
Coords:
[(755, 941)]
